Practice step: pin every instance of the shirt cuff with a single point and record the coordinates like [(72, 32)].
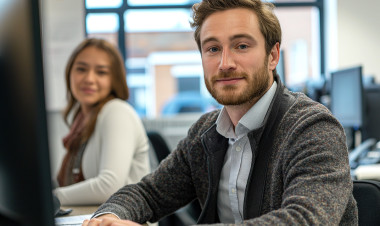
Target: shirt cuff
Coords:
[(100, 214)]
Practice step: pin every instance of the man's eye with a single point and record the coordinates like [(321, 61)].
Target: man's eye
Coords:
[(242, 46), (213, 49)]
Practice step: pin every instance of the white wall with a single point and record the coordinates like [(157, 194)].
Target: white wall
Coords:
[(359, 34), (62, 29), (331, 31)]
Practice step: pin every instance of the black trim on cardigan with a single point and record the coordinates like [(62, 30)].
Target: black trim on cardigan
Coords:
[(215, 157)]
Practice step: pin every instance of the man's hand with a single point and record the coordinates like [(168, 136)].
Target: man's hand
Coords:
[(108, 220)]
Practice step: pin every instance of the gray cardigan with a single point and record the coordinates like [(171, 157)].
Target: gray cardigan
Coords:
[(307, 180)]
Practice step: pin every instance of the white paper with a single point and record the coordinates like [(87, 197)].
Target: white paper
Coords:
[(71, 221)]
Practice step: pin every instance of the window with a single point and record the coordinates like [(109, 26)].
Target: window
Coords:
[(159, 20), (160, 2), (93, 4), (103, 25), (291, 1), (301, 44), (162, 58)]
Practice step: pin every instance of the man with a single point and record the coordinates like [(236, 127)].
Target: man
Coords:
[(269, 156)]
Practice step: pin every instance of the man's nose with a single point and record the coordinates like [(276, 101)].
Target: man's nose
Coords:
[(227, 62)]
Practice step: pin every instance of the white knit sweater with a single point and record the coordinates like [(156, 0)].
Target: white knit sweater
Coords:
[(116, 154)]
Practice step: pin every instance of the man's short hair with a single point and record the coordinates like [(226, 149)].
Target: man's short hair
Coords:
[(269, 24)]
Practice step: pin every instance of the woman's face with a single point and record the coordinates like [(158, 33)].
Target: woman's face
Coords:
[(90, 77)]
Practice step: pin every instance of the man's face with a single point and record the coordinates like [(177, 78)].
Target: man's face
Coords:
[(234, 59)]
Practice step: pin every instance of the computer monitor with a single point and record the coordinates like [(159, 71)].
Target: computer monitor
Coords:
[(347, 96), (371, 126), (25, 178)]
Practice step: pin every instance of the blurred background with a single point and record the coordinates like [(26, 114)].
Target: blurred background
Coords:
[(164, 71)]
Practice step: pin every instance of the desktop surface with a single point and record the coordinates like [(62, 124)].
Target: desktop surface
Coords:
[(80, 210), (76, 216)]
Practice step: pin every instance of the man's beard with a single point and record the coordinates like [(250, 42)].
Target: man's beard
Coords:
[(258, 84)]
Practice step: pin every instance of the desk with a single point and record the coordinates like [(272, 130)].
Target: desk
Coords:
[(80, 210), (84, 210), (77, 216)]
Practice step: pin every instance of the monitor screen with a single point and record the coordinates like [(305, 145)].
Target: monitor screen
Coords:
[(371, 127), (25, 180), (347, 96)]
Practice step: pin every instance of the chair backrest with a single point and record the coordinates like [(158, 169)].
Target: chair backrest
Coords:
[(367, 195), (159, 144)]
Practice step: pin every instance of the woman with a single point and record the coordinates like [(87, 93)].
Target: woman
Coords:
[(107, 146)]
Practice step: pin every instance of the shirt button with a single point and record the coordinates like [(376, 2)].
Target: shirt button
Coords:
[(238, 148), (233, 190)]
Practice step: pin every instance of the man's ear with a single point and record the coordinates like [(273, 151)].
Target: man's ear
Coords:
[(274, 57)]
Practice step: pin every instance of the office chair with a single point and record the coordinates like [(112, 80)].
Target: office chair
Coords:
[(187, 215), (159, 145), (367, 196)]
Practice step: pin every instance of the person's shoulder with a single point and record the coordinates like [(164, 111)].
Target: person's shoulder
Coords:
[(304, 103), (116, 107), (305, 112), (117, 103)]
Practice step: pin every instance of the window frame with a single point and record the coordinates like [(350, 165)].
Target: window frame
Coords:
[(319, 4)]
